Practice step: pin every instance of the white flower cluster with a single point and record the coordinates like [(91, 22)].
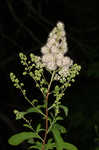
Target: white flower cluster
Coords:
[(53, 52)]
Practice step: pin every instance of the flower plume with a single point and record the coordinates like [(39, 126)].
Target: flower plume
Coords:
[(54, 50)]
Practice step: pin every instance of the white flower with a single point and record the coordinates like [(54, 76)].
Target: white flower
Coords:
[(51, 66), (59, 56), (59, 59), (51, 41), (64, 47), (44, 50), (59, 63), (48, 58), (52, 35), (54, 49), (57, 77), (60, 25), (64, 71), (63, 33), (67, 61), (53, 52)]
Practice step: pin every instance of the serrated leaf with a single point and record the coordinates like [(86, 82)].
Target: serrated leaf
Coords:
[(21, 137)]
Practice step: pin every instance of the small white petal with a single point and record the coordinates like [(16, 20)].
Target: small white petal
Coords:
[(44, 50), (54, 49), (67, 61), (59, 56), (57, 77), (51, 66), (47, 58), (60, 25), (64, 71), (63, 33), (59, 62), (51, 41)]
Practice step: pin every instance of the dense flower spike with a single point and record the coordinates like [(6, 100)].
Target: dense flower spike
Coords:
[(53, 52)]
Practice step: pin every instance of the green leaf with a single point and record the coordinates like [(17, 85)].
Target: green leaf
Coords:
[(65, 109), (38, 127), (33, 110), (34, 101), (21, 137), (59, 118), (31, 141), (60, 144), (49, 146), (69, 146), (27, 126), (58, 140), (60, 128), (37, 145), (57, 88)]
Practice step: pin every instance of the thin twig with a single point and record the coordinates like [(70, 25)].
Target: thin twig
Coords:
[(32, 103)]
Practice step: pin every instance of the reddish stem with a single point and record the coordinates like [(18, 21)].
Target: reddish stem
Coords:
[(45, 136), (46, 130)]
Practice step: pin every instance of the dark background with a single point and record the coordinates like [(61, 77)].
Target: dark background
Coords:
[(24, 26)]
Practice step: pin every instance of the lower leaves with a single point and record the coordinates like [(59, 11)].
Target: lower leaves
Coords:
[(58, 144), (21, 137)]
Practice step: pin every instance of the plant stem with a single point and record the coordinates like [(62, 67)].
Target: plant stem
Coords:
[(45, 136), (53, 122), (46, 101), (32, 103), (30, 126)]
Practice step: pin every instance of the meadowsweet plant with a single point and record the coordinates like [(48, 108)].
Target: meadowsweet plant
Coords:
[(62, 72)]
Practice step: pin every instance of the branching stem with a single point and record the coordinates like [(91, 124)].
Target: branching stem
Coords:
[(46, 101), (32, 103)]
